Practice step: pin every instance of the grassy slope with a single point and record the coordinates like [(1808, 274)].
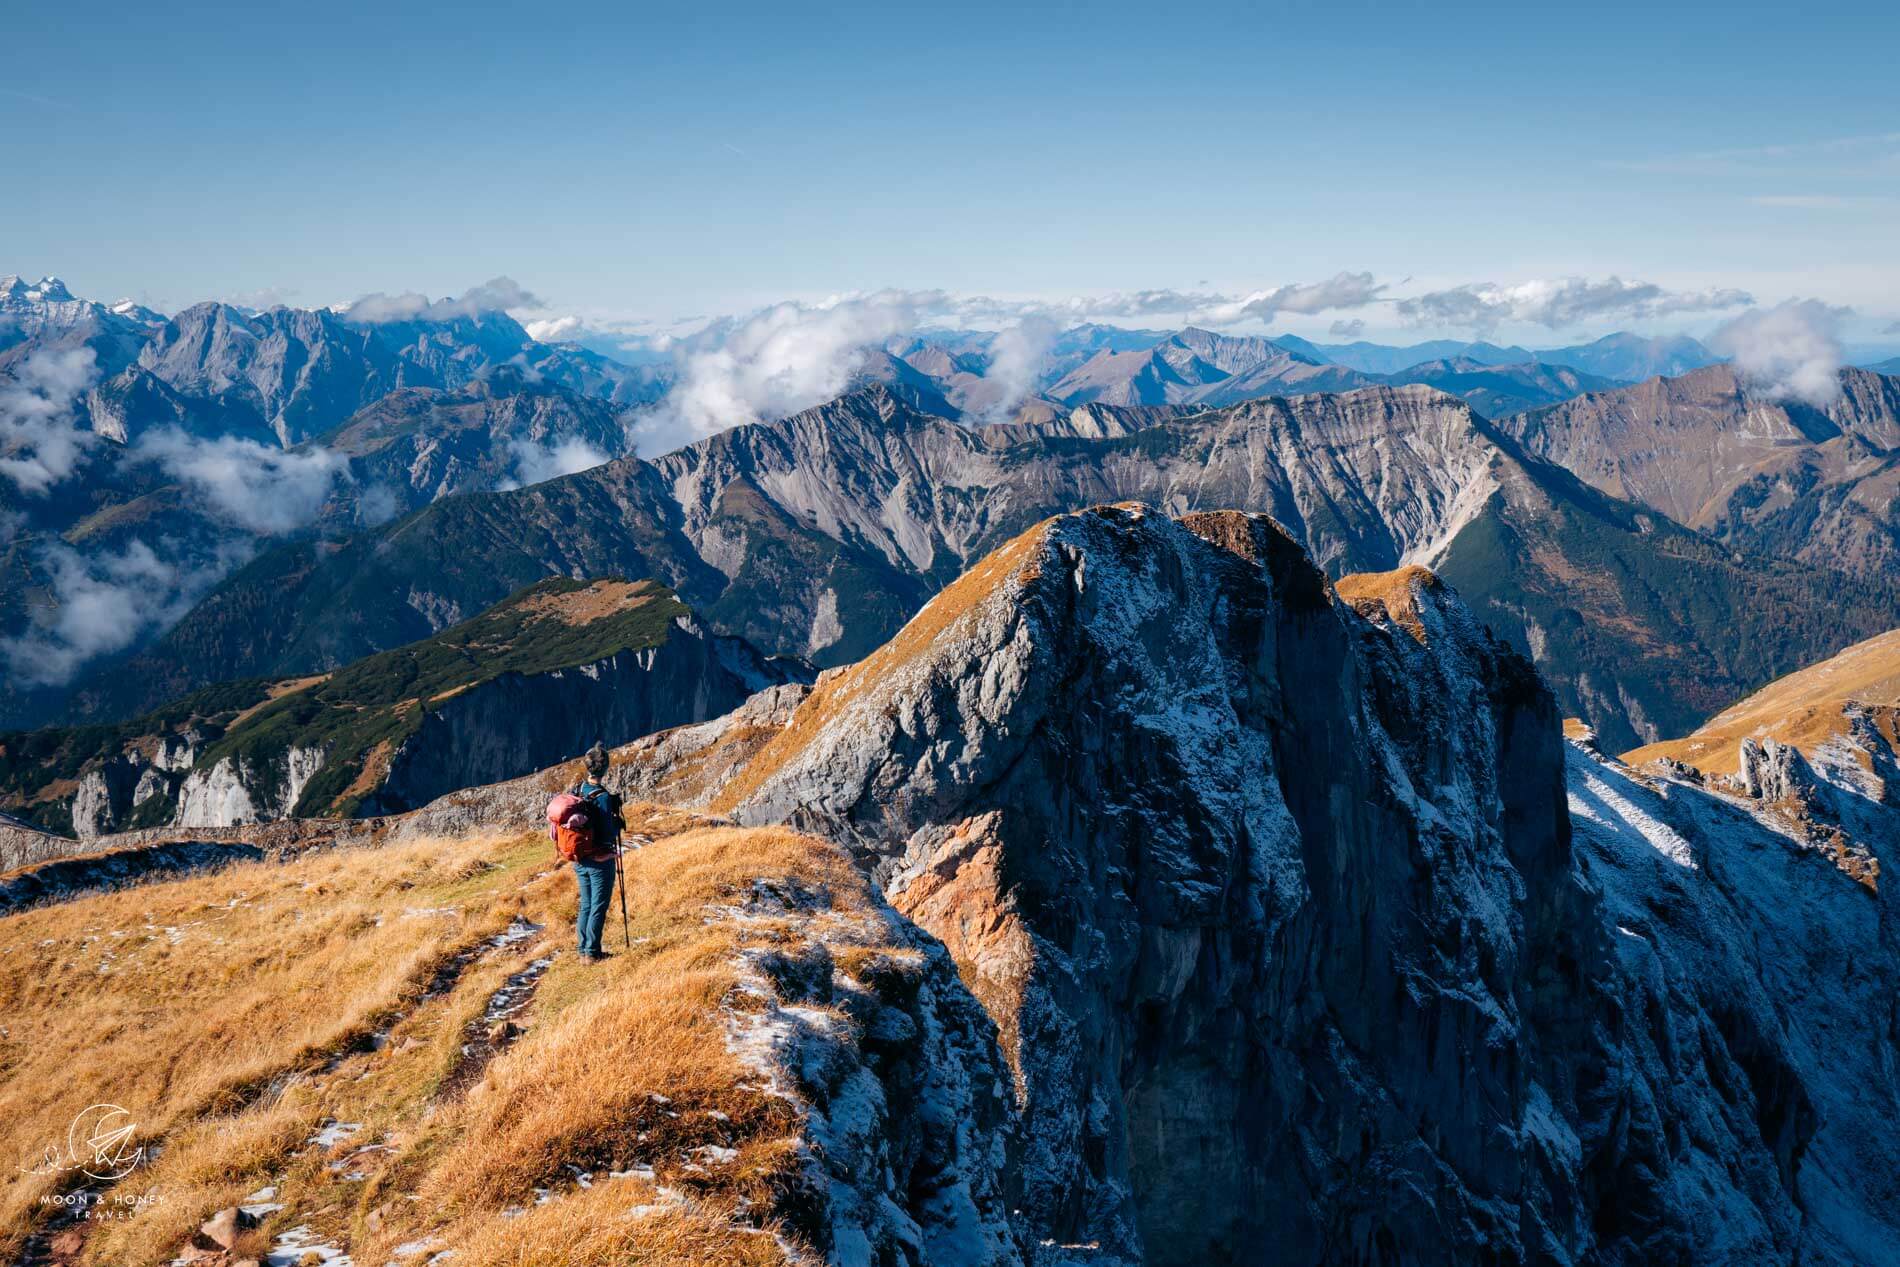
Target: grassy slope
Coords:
[(201, 1025), (375, 701), (380, 700), (1807, 708)]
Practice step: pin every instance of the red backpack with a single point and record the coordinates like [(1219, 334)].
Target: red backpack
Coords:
[(571, 826)]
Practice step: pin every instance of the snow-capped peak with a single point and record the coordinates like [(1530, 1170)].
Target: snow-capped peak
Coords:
[(51, 290)]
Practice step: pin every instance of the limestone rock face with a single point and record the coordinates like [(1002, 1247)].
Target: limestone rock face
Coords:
[(902, 1095), (1771, 771), (1205, 841), (1274, 900), (235, 791)]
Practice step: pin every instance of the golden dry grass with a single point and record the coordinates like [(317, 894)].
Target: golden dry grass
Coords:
[(1391, 593), (233, 1040), (633, 1075), (592, 602), (1805, 709), (179, 1001), (276, 691)]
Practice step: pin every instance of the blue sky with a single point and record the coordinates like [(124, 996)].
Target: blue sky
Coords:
[(633, 163)]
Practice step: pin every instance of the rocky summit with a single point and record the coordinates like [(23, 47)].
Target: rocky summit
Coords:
[(1294, 909)]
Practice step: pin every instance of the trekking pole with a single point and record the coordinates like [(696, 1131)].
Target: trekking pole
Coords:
[(620, 874)]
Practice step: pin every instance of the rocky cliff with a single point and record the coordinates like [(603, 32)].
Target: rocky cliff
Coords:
[(1308, 939)]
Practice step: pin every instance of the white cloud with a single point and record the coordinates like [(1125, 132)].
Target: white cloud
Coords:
[(1017, 356), (1347, 329), (776, 362), (1559, 303), (1838, 149), (40, 439), (536, 463), (792, 356), (262, 299), (1790, 350), (377, 503), (1195, 307), (103, 604), (554, 329), (495, 295), (263, 490), (1342, 290)]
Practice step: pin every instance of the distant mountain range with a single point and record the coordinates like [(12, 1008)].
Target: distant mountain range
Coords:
[(1098, 364), (1629, 357), (1658, 547), (821, 534)]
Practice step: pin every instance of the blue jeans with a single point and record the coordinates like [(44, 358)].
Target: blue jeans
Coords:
[(597, 885)]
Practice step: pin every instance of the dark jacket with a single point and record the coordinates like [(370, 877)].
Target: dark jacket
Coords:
[(604, 807)]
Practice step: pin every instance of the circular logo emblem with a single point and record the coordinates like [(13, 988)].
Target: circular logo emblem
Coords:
[(100, 1142)]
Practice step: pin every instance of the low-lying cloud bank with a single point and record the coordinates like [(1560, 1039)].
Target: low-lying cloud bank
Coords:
[(498, 294), (259, 489), (1791, 351), (39, 443), (1560, 304), (104, 603), (792, 356), (535, 463)]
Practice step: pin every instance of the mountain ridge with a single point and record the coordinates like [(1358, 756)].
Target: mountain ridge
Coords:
[(1765, 475), (820, 534)]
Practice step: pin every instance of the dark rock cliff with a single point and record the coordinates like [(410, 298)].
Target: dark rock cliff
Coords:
[(1274, 899)]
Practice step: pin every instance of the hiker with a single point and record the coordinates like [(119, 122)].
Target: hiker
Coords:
[(586, 825)]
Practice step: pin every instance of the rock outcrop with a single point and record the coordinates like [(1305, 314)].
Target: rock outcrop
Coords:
[(1771, 771), (1274, 900), (60, 879)]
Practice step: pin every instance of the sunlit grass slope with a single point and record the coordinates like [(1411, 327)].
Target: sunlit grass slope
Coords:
[(386, 1040)]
